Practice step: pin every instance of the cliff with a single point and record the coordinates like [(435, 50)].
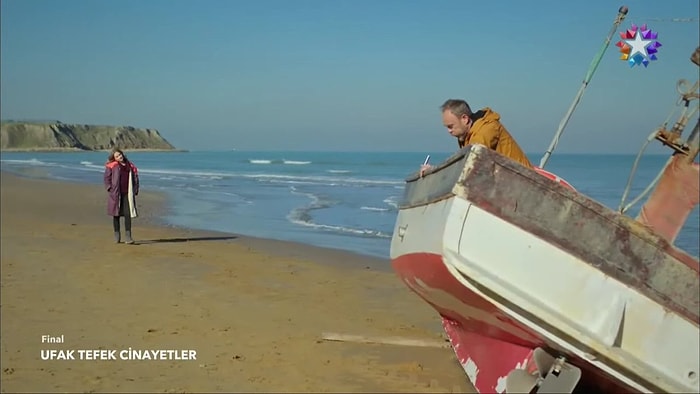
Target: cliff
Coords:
[(57, 136)]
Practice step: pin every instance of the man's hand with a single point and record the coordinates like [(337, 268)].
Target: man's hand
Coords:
[(424, 168)]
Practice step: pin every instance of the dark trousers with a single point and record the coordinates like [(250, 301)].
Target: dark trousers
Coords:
[(123, 211)]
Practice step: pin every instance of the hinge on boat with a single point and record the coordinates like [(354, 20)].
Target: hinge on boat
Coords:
[(402, 231), (554, 375)]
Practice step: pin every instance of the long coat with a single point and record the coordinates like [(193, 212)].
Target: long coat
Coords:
[(112, 183)]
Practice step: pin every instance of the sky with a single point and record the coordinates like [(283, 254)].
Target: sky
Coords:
[(342, 75)]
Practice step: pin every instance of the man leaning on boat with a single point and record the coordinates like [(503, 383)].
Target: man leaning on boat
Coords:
[(481, 127)]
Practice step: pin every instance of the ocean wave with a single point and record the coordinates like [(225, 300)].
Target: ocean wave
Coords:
[(391, 201), (283, 161), (324, 179), (342, 230), (293, 182), (39, 163), (90, 165), (317, 202), (204, 174), (210, 177), (279, 178), (376, 209), (339, 171), (34, 162), (166, 174), (206, 189), (172, 178), (302, 216)]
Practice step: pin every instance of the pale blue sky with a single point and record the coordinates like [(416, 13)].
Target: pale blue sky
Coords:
[(340, 74)]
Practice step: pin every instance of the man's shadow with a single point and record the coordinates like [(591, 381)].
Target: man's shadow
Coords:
[(168, 240)]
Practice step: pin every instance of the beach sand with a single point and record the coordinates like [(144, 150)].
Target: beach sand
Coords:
[(253, 310)]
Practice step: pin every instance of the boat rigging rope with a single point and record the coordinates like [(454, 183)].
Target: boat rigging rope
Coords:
[(622, 208), (690, 93), (686, 97), (646, 191), (671, 19)]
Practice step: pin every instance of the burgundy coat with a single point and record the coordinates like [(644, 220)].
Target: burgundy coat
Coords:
[(112, 184)]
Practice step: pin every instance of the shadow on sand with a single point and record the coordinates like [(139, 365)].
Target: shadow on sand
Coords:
[(167, 240)]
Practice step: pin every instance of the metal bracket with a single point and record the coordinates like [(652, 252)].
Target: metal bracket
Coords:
[(552, 376), (561, 378)]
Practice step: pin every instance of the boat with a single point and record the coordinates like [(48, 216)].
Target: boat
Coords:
[(541, 288)]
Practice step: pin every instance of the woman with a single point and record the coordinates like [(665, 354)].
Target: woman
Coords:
[(122, 183)]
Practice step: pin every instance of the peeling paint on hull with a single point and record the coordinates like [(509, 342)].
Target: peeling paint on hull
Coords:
[(483, 338), (513, 261)]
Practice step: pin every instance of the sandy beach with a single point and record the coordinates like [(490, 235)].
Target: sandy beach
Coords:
[(253, 310)]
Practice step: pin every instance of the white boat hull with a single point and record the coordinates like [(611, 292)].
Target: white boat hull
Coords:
[(502, 290)]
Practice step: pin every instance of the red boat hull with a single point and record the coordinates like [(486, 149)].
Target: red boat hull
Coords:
[(487, 342)]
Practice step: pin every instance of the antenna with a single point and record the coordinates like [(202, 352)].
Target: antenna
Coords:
[(621, 13), (685, 20)]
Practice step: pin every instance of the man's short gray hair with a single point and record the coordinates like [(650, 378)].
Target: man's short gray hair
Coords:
[(457, 107)]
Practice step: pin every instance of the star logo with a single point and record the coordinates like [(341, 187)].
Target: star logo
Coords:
[(638, 45)]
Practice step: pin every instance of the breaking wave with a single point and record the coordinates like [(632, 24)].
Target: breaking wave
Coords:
[(302, 216)]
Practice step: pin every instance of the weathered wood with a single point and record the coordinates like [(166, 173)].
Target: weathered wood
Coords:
[(615, 244), (438, 185), (385, 340)]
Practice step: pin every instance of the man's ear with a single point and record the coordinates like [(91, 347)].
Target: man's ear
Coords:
[(467, 119)]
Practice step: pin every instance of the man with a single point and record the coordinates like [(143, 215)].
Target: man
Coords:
[(481, 127)]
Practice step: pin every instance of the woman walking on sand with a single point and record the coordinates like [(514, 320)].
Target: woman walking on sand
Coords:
[(122, 183)]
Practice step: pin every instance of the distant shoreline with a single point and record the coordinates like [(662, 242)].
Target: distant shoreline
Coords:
[(64, 137)]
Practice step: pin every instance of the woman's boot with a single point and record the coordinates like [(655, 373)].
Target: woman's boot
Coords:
[(117, 231)]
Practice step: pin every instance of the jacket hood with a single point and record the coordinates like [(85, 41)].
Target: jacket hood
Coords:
[(112, 164), (486, 115)]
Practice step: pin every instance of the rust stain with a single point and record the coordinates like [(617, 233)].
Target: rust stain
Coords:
[(617, 245)]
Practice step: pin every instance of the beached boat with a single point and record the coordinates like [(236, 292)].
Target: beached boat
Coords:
[(543, 289)]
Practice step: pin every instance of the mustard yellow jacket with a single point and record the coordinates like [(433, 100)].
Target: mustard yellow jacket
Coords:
[(487, 130)]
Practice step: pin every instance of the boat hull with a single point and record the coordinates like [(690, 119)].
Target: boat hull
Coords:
[(487, 343), (473, 243)]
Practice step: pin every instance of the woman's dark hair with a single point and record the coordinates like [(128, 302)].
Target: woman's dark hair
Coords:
[(113, 152)]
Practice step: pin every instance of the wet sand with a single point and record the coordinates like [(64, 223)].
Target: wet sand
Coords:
[(253, 310)]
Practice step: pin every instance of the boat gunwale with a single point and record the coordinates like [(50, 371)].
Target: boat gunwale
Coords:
[(479, 172), (455, 157)]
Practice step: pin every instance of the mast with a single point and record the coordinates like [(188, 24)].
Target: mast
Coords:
[(621, 13)]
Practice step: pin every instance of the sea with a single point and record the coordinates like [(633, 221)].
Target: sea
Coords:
[(341, 200)]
